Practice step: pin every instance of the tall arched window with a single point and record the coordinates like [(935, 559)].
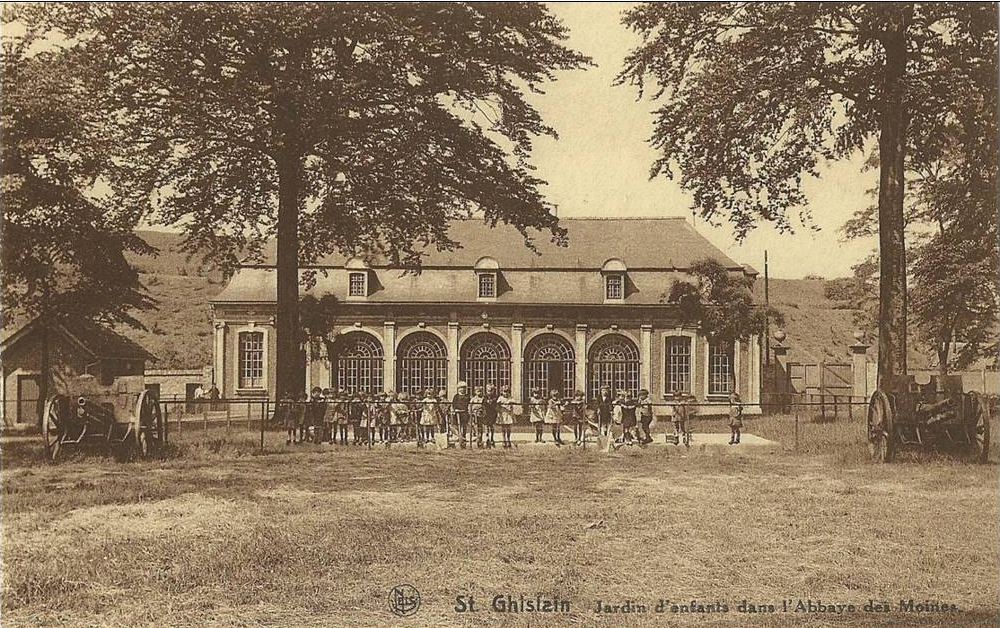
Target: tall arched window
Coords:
[(357, 363), (485, 360), (422, 363), (549, 364), (614, 362)]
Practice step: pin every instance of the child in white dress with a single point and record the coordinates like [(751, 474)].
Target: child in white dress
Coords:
[(505, 416)]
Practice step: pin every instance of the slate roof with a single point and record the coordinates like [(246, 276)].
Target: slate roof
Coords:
[(664, 243), (656, 252)]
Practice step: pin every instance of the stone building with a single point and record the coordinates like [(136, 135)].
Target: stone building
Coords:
[(571, 318)]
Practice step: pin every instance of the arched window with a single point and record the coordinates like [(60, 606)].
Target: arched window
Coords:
[(422, 363), (614, 362), (549, 364), (356, 360), (485, 360)]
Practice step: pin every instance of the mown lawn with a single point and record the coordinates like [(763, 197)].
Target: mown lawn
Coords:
[(217, 535)]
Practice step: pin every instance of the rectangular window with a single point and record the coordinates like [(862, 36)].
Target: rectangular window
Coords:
[(614, 287), (679, 364), (356, 285), (487, 286), (720, 369), (251, 359)]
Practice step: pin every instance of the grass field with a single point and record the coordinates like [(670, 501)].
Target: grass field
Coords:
[(217, 534)]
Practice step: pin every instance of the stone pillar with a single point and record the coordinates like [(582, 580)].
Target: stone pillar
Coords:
[(737, 365), (516, 360), (219, 358), (646, 357), (323, 367), (859, 370), (753, 377), (389, 355), (780, 364), (309, 364), (453, 356), (581, 357)]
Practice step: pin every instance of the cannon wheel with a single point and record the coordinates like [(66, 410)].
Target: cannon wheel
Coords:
[(881, 428), (148, 422), (978, 427), (52, 422)]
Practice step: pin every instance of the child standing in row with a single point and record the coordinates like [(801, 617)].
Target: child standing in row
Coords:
[(681, 414), (398, 413), (460, 411), (505, 416), (628, 407), (735, 417), (329, 417), (443, 416), (428, 418), (476, 415), (536, 413), (554, 416), (645, 417), (490, 411), (578, 409)]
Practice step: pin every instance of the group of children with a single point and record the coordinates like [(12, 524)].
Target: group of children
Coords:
[(326, 414)]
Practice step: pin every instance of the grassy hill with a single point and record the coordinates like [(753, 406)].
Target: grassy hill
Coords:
[(180, 331), (818, 329)]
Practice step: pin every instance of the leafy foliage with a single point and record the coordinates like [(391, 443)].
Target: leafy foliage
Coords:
[(64, 244), (755, 95), (336, 127), (720, 303), (951, 214), (399, 116)]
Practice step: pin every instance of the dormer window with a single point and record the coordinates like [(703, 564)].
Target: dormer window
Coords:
[(614, 271), (358, 285), (487, 279), (614, 287), (358, 276), (487, 285)]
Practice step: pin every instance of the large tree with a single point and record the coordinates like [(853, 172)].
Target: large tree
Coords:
[(756, 95), (64, 242), (343, 126)]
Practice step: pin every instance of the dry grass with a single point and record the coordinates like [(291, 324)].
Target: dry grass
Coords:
[(219, 535)]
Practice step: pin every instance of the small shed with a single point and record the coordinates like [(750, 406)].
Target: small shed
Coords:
[(75, 348)]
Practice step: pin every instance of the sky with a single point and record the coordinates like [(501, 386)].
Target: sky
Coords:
[(600, 164)]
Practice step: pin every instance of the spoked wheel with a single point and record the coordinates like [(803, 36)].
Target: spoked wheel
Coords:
[(978, 427), (148, 423), (881, 425), (53, 425)]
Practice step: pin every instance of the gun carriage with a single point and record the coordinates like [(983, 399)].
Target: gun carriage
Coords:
[(930, 413), (121, 419)]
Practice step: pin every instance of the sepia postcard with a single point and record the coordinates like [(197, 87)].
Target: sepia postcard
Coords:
[(499, 314)]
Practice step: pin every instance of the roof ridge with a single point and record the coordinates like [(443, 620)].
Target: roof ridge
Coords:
[(561, 218)]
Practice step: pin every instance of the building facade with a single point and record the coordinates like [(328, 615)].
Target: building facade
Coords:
[(573, 317)]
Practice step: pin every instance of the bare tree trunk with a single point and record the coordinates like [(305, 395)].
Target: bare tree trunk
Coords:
[(290, 373), (892, 245), (43, 383)]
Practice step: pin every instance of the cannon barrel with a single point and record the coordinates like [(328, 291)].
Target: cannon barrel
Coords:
[(93, 412)]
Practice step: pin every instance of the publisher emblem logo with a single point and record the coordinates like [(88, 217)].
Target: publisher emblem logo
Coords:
[(404, 600)]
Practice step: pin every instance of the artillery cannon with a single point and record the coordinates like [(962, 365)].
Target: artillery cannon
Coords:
[(931, 413), (121, 418)]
